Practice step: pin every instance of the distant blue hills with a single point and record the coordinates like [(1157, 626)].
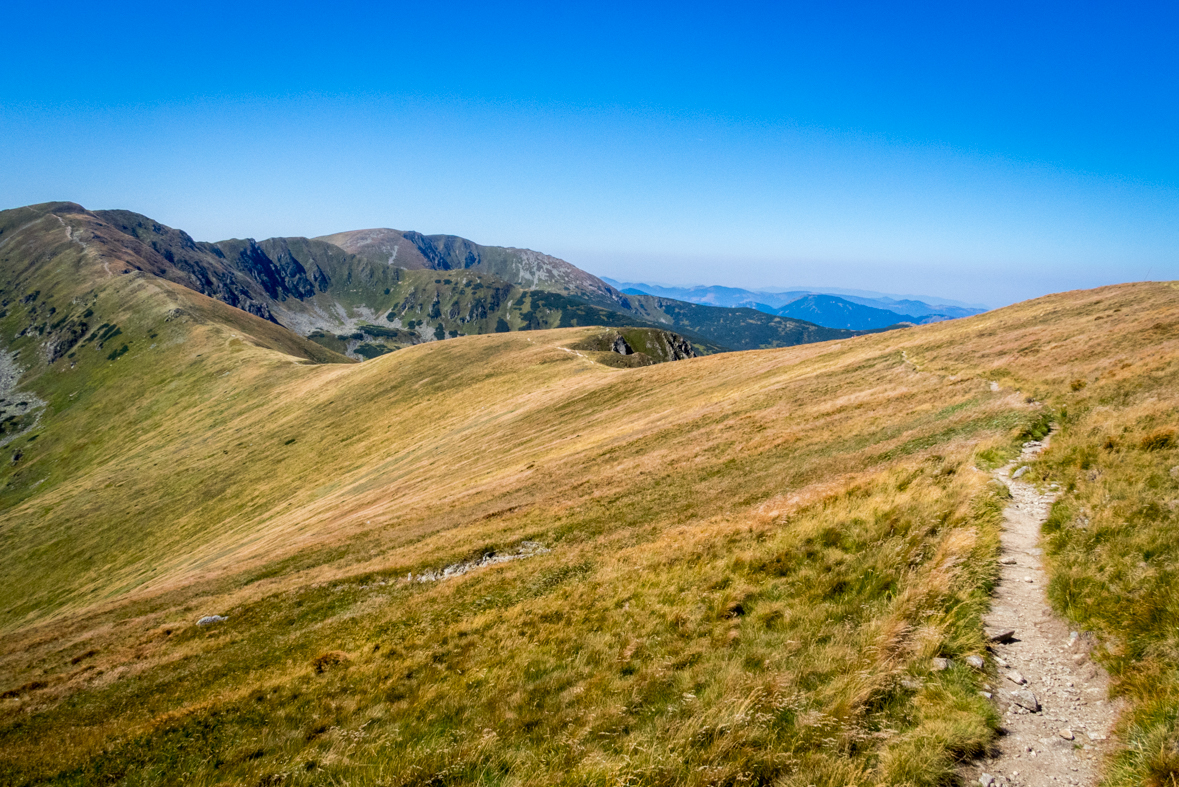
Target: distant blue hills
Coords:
[(830, 310)]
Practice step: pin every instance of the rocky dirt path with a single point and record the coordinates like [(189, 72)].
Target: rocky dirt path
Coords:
[(1056, 719)]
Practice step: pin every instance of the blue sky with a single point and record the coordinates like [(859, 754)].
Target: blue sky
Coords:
[(987, 152)]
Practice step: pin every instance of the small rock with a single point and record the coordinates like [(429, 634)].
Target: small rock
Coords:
[(1007, 561), (910, 684), (1025, 699), (976, 662), (1079, 659), (1016, 678), (986, 780), (1020, 471), (940, 664), (209, 620), (1094, 736), (1001, 635), (985, 694), (1066, 733), (1001, 662), (1028, 579)]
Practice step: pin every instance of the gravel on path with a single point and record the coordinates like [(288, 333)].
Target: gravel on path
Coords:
[(1062, 738)]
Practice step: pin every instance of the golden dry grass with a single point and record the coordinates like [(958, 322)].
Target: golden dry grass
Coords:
[(754, 557)]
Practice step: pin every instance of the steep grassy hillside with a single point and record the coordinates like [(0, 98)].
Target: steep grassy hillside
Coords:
[(495, 560)]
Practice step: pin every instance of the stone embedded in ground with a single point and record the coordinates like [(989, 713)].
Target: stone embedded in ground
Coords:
[(1020, 471), (976, 662), (209, 620), (1015, 677), (1001, 635), (940, 664), (1007, 561), (1066, 733), (1026, 700), (986, 780)]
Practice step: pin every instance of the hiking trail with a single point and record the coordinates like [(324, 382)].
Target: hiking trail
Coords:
[(1056, 717)]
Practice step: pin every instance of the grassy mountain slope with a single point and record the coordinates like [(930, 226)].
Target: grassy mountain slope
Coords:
[(343, 301), (424, 306), (741, 329), (320, 289), (752, 558)]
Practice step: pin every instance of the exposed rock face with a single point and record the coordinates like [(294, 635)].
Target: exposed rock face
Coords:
[(64, 339), (243, 273), (281, 280), (445, 252), (20, 411), (523, 267), (640, 346), (678, 347), (339, 282), (199, 266)]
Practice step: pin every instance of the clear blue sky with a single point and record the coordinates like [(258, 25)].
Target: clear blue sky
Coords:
[(987, 152)]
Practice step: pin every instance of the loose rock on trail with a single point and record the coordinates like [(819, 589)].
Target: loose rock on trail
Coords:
[(1056, 718)]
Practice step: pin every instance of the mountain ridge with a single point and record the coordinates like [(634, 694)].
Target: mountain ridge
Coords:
[(314, 287)]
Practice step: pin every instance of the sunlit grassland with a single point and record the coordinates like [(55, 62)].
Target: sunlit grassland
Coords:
[(1113, 540), (754, 558)]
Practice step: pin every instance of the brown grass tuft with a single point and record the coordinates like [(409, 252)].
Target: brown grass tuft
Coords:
[(1158, 440), (333, 658)]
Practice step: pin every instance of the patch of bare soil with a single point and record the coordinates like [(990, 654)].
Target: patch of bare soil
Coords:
[(1056, 718)]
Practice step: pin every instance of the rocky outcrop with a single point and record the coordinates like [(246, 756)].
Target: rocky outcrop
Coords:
[(64, 338), (173, 254), (446, 252), (638, 346), (531, 270)]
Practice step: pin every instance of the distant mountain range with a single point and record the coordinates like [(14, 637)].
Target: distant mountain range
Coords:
[(368, 292), (363, 293), (829, 309)]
